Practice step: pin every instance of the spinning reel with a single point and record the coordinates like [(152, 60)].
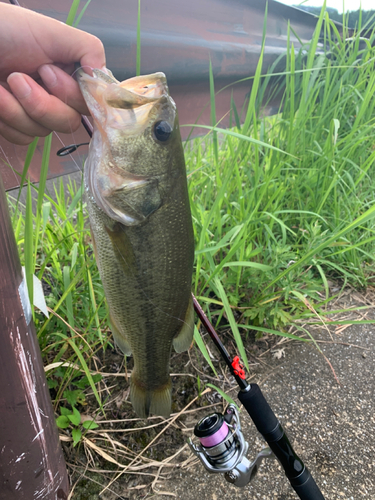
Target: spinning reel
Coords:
[(222, 447)]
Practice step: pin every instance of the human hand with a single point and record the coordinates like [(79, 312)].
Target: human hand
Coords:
[(37, 93)]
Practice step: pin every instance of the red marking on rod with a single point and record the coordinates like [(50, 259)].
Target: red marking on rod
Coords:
[(238, 368)]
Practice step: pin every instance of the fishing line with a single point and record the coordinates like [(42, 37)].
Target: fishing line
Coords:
[(68, 150), (78, 67), (9, 164)]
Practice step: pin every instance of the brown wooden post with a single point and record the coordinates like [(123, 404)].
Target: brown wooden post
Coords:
[(32, 465)]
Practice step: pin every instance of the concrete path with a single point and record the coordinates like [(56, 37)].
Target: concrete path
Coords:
[(331, 426)]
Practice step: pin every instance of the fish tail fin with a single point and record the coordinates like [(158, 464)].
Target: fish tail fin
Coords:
[(157, 401), (185, 337)]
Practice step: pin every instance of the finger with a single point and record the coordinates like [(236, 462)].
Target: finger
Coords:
[(78, 46), (41, 40), (43, 108), (13, 115), (63, 86), (14, 136), (4, 85)]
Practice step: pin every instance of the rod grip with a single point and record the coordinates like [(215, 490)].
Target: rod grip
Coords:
[(268, 425), (309, 489), (259, 410)]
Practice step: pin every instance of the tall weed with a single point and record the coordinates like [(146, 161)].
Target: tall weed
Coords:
[(287, 204)]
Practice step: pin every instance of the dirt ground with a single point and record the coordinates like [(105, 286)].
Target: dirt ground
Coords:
[(325, 402)]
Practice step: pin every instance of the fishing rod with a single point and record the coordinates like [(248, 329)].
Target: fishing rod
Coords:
[(221, 445)]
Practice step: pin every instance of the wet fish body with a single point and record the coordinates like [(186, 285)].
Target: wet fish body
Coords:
[(137, 198)]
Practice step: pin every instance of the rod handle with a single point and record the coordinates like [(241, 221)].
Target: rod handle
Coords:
[(309, 489), (259, 410), (268, 425)]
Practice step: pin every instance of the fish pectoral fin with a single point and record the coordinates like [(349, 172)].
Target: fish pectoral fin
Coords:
[(184, 339), (130, 199), (146, 401), (120, 340), (122, 247)]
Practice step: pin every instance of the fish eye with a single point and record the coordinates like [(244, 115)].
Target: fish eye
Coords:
[(162, 131)]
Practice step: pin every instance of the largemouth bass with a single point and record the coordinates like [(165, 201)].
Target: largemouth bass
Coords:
[(137, 198)]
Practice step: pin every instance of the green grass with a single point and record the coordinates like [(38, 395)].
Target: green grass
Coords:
[(280, 205), (287, 202), (55, 244)]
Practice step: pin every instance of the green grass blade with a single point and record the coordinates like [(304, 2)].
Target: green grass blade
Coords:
[(213, 117), (41, 189), (223, 394), (202, 347), (369, 214), (78, 20), (229, 313), (29, 246), (84, 367), (235, 112), (77, 199), (138, 62), (44, 172), (68, 298), (72, 12), (94, 306), (254, 265), (73, 283), (242, 137), (29, 156)]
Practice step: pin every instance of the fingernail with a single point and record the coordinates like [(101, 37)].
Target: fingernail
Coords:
[(47, 75), (19, 85)]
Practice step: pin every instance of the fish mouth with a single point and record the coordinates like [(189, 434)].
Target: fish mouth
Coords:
[(130, 103)]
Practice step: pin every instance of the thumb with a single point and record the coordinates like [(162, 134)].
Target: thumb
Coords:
[(86, 49), (65, 44)]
